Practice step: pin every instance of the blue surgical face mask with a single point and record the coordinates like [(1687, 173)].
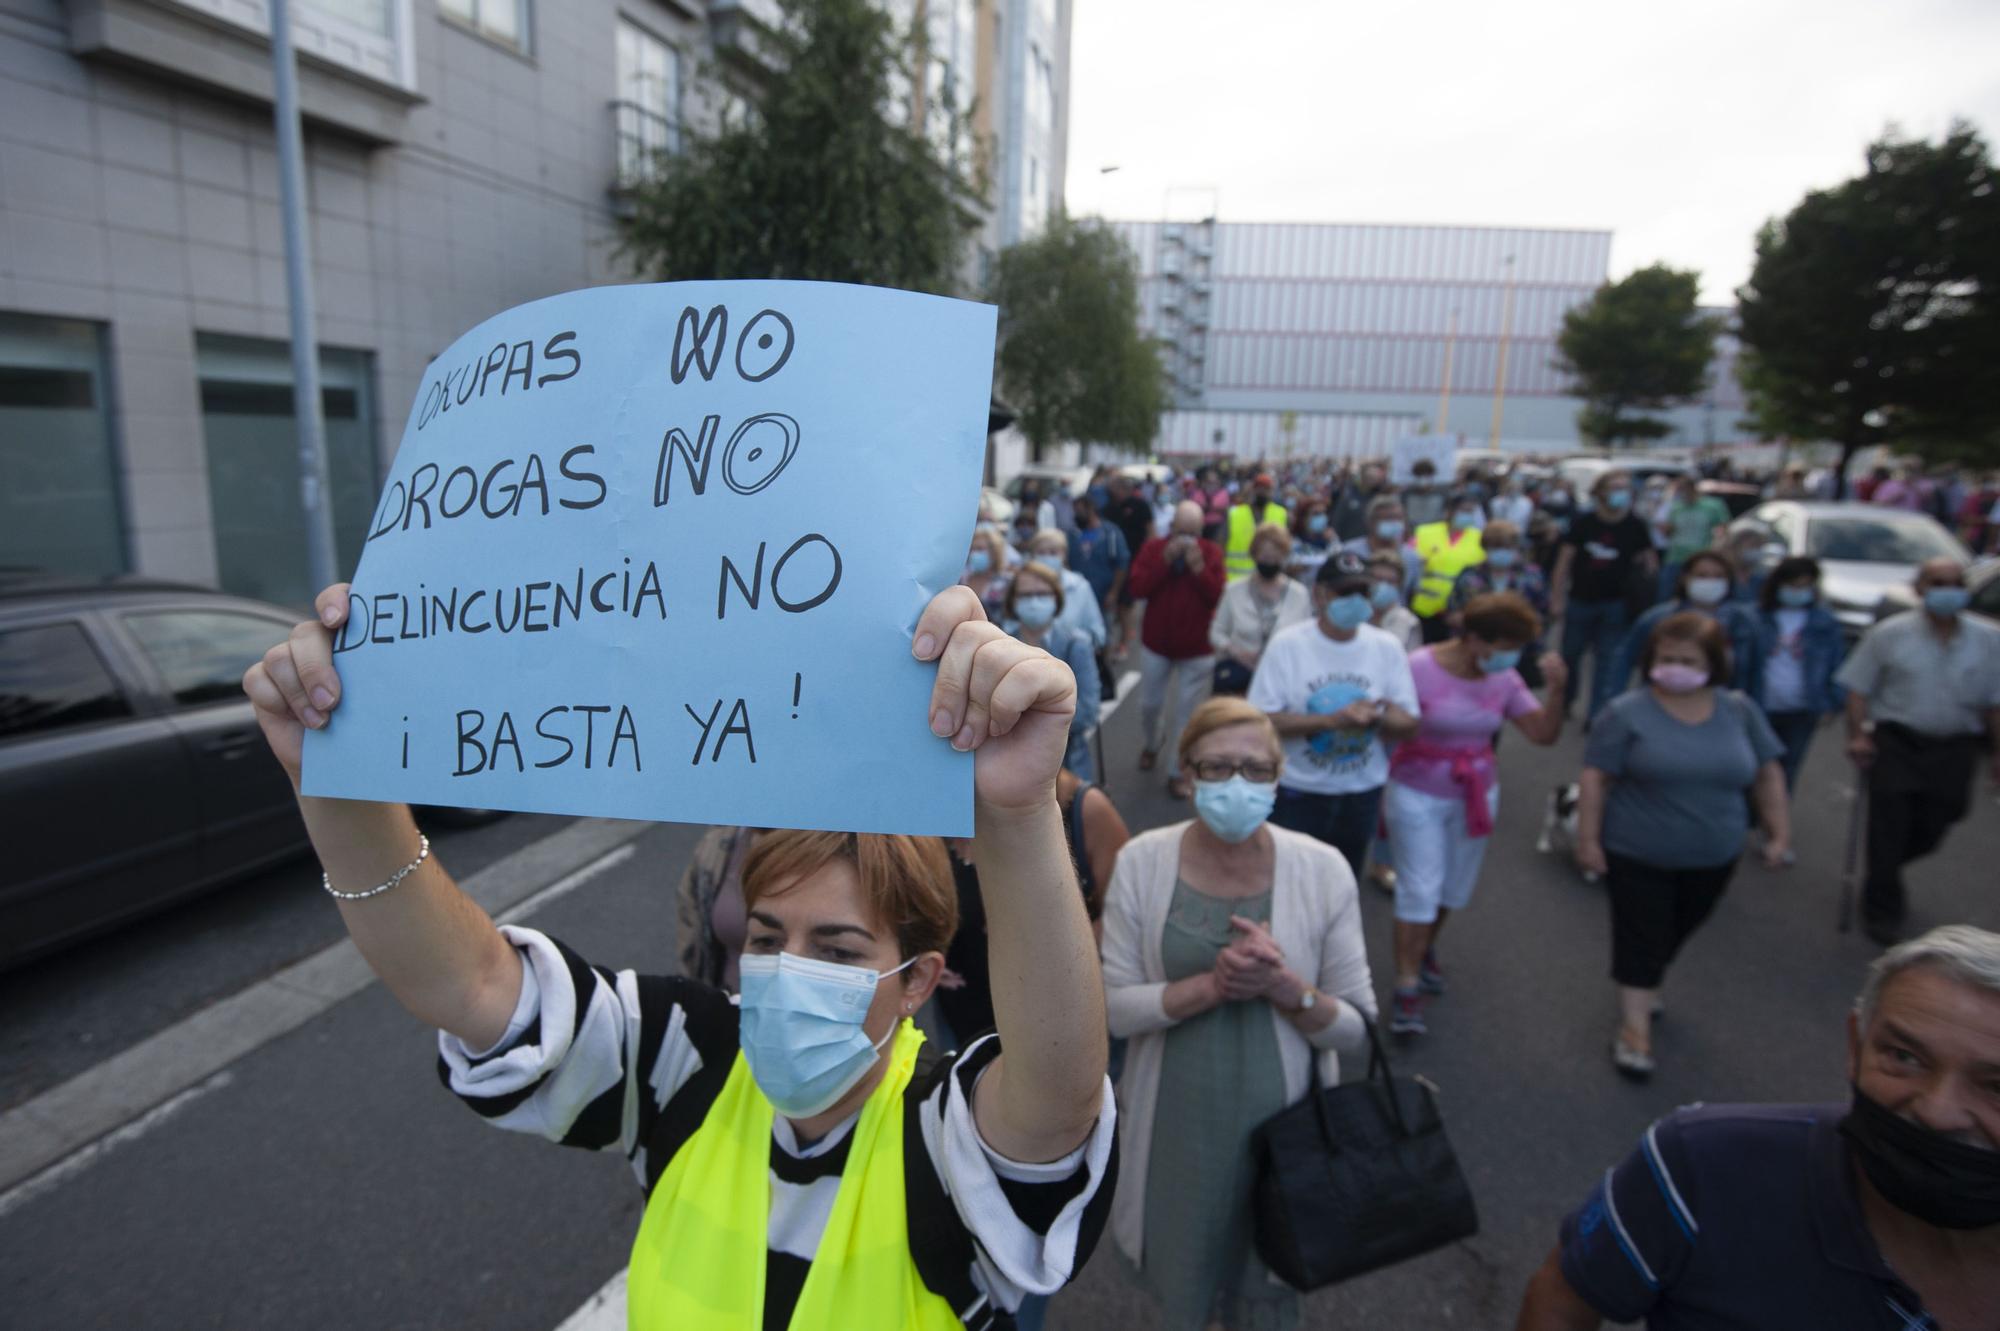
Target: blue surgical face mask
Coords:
[(1497, 662), (1617, 500), (1235, 808), (1383, 595), (1390, 529), (1946, 601), (1796, 598), (1316, 523), (801, 1028), (1348, 612), (978, 562), (1503, 558), (1035, 611), (1465, 518), (1053, 558), (1707, 591)]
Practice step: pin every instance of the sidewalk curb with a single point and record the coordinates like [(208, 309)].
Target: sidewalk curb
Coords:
[(40, 1132)]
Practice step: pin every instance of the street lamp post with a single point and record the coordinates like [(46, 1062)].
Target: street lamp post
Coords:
[(315, 488), (1500, 369)]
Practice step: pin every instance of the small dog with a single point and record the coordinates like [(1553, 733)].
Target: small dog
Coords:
[(1558, 835)]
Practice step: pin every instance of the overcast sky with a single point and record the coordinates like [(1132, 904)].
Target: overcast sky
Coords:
[(1680, 127)]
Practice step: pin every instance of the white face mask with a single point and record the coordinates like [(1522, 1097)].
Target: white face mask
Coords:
[(1707, 591)]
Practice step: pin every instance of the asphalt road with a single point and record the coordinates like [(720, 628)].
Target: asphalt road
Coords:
[(326, 1180)]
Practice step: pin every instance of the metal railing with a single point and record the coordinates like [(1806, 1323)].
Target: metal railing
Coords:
[(642, 135)]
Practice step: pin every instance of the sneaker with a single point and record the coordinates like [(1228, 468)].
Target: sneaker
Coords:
[(1633, 1064), (1408, 1014), (1430, 976)]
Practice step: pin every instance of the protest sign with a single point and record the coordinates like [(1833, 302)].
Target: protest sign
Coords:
[(1441, 450), (658, 552)]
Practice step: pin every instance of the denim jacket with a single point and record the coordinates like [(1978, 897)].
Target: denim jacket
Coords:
[(1746, 643), (1825, 649)]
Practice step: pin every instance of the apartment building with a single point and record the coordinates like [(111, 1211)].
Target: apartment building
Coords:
[(462, 156)]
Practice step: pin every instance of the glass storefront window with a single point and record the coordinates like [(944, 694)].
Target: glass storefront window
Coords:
[(58, 475), (253, 462)]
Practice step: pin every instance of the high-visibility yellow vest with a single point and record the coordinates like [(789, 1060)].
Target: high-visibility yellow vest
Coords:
[(698, 1263), (1242, 527), (1444, 559)]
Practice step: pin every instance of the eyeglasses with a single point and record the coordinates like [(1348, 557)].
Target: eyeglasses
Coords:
[(1221, 769)]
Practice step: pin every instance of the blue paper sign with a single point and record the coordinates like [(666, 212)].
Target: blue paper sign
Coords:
[(658, 552)]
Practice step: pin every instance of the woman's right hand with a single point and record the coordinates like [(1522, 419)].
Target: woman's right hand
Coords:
[(1590, 858), (295, 687)]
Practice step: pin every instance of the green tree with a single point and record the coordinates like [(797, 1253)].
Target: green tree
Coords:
[(823, 181), (1638, 345), (1071, 358), (1872, 315)]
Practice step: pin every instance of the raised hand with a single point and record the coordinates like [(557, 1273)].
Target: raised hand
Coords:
[(1006, 701), (294, 686)]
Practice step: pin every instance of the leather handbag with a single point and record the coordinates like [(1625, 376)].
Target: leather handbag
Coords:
[(1356, 1177)]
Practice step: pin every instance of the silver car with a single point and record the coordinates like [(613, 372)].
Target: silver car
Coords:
[(1864, 551)]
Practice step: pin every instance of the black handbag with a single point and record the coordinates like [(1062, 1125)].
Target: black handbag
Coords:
[(1232, 677), (1356, 1177)]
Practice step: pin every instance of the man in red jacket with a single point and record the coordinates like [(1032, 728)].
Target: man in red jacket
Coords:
[(1180, 578)]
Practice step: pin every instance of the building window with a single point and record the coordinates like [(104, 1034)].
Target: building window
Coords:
[(503, 21), (1041, 86), (253, 467), (58, 476), (202, 654), (371, 16), (648, 107)]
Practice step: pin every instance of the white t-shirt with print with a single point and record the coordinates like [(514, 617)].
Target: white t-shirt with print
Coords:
[(1304, 670)]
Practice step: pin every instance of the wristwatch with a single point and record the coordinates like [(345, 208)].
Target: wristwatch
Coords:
[(1307, 1001)]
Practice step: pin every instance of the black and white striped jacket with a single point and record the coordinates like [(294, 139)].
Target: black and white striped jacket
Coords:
[(597, 1059)]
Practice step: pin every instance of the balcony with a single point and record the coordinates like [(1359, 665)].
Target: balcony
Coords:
[(642, 136), (352, 78)]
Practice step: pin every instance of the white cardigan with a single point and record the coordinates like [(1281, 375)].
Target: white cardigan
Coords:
[(1316, 920), (1236, 623)]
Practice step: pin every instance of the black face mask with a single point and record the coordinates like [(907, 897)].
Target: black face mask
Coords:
[(1268, 571), (1939, 1181)]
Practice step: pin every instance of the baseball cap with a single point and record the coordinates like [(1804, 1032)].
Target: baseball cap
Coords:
[(1343, 567)]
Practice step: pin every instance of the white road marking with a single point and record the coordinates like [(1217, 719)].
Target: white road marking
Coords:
[(75, 1163), (602, 1311), (562, 887), (39, 1134), (1125, 683)]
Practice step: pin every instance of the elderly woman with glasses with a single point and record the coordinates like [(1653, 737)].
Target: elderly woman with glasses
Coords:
[(1233, 958)]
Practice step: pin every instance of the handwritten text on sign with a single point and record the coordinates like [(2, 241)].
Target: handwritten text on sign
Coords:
[(657, 552)]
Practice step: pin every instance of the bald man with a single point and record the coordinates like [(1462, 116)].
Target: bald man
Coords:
[(1180, 578), (1923, 702)]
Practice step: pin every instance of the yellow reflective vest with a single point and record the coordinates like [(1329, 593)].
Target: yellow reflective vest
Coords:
[(1444, 559), (698, 1263), (1242, 527)]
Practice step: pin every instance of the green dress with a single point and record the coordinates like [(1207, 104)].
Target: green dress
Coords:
[(1220, 1077)]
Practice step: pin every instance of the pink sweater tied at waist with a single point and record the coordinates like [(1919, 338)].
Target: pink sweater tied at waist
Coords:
[(1471, 769)]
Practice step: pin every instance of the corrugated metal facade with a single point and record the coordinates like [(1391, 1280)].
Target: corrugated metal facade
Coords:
[(1264, 433), (1349, 327)]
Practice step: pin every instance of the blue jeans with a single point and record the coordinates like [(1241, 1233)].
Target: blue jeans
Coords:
[(1596, 627), (1345, 822), (1795, 731)]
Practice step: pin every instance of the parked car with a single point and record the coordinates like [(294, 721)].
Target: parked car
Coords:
[(1864, 551), (1982, 580), (1048, 477), (1582, 470), (132, 770)]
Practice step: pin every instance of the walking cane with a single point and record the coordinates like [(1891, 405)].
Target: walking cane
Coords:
[(1850, 878)]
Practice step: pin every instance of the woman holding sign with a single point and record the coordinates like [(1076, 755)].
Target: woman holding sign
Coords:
[(807, 1120)]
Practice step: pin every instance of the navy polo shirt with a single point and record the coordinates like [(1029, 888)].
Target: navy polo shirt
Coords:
[(1734, 1218)]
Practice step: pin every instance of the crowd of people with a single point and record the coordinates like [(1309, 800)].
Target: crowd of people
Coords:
[(1326, 660)]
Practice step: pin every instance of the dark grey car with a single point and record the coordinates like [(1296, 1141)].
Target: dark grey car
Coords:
[(132, 771)]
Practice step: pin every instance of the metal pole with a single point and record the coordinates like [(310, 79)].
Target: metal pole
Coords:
[(1500, 371), (315, 489), (1444, 394)]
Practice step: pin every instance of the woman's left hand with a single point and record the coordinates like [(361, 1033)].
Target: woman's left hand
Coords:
[(1008, 702), (1776, 852)]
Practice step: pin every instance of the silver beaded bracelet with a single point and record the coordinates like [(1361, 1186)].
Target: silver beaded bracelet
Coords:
[(423, 853)]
